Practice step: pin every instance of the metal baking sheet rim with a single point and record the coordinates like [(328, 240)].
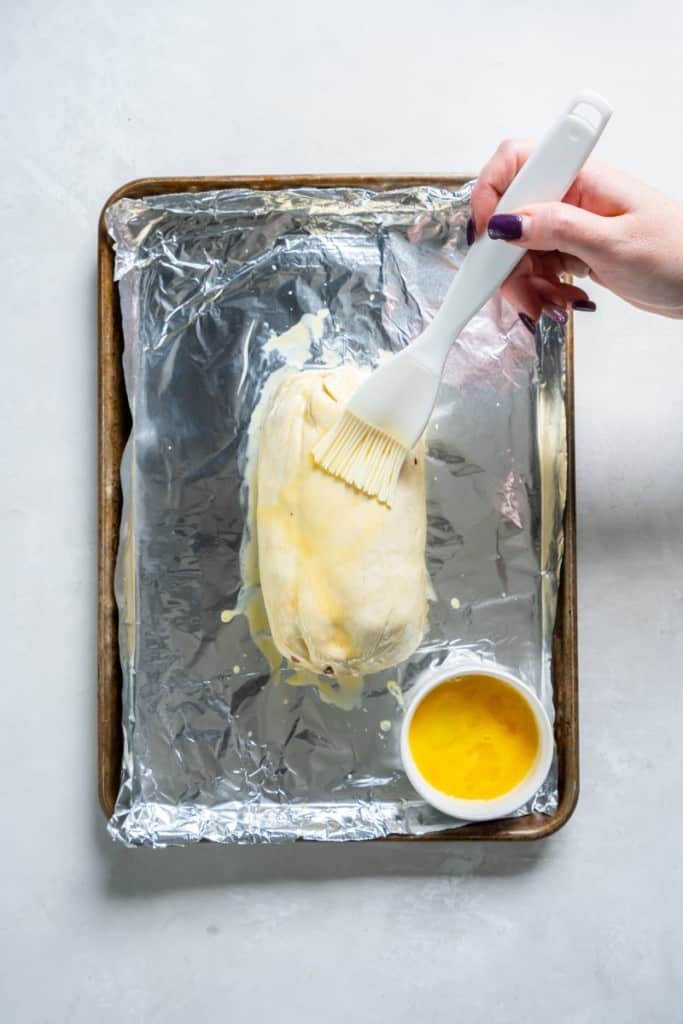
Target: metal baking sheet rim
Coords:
[(112, 409)]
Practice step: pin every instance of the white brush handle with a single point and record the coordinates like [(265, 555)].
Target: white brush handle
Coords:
[(545, 177)]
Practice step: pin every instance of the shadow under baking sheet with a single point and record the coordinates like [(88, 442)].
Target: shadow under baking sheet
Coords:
[(146, 873)]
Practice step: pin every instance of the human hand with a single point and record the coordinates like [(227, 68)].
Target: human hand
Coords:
[(618, 231)]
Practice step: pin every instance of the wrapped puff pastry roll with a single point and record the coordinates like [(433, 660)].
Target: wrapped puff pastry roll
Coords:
[(343, 577)]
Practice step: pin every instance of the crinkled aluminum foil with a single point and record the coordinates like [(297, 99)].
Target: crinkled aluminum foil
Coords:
[(213, 749)]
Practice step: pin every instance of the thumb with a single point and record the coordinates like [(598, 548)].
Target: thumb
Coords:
[(549, 226)]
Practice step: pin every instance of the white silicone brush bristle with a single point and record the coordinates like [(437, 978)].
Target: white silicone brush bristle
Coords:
[(363, 456)]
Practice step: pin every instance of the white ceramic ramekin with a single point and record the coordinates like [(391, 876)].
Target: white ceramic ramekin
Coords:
[(498, 807)]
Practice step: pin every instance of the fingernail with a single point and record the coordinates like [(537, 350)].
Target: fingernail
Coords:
[(507, 226), (558, 314), (470, 231), (528, 323), (584, 306)]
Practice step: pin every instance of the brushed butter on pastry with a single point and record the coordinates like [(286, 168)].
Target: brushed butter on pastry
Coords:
[(343, 577)]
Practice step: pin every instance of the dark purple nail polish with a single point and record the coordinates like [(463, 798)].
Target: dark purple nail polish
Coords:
[(507, 226), (528, 323), (584, 306), (558, 314), (470, 231)]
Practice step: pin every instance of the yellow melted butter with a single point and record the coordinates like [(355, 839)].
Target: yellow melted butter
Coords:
[(474, 738), (296, 343), (343, 691), (250, 602)]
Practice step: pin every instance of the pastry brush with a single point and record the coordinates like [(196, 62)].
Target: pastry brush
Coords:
[(389, 412)]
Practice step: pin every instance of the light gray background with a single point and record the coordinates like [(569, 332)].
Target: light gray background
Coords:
[(582, 928)]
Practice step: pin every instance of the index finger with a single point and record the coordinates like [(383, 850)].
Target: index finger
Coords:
[(494, 179)]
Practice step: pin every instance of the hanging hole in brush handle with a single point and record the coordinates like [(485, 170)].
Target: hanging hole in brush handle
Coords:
[(590, 106), (560, 155)]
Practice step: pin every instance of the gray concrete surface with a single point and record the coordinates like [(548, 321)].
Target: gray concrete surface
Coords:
[(584, 928)]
